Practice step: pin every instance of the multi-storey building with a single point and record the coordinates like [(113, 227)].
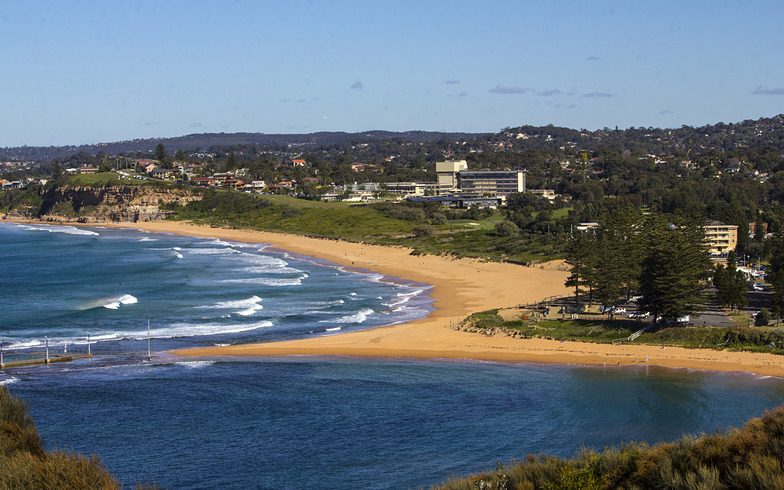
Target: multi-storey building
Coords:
[(491, 182), (721, 238)]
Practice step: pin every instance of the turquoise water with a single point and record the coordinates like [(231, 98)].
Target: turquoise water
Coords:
[(299, 422)]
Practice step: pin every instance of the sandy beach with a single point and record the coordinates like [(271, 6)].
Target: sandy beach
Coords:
[(459, 287)]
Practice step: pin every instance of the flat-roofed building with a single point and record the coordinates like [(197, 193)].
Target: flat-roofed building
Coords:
[(447, 174), (491, 182), (721, 238), (406, 188)]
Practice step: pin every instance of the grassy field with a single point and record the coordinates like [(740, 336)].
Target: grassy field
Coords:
[(742, 338), (104, 179), (408, 226)]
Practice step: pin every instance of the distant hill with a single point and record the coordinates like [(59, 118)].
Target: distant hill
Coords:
[(205, 141)]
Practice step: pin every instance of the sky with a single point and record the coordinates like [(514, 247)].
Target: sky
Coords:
[(83, 72)]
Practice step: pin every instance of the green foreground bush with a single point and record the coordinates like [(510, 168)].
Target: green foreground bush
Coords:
[(747, 458), (25, 464)]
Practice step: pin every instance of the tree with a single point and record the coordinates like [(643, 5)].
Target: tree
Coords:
[(580, 256), (776, 275), (619, 253), (730, 283), (232, 163), (675, 264), (160, 154), (57, 172), (105, 166)]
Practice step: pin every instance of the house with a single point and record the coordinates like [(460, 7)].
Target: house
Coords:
[(162, 173), (203, 181)]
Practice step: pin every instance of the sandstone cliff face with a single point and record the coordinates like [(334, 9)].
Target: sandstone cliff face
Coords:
[(116, 204)]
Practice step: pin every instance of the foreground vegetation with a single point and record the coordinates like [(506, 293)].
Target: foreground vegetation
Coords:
[(25, 464), (747, 458), (605, 331)]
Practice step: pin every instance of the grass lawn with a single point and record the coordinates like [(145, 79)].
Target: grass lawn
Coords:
[(757, 339)]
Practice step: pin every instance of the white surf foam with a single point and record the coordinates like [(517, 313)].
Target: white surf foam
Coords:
[(68, 230), (194, 364), (114, 303), (200, 329), (267, 281), (358, 317), (242, 307), (8, 381)]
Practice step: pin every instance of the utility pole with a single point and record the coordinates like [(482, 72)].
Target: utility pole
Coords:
[(148, 339)]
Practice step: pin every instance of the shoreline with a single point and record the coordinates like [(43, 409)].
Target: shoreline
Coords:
[(460, 287)]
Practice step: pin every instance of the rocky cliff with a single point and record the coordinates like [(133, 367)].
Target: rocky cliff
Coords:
[(116, 204)]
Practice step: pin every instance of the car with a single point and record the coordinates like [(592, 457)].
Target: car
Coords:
[(619, 311), (639, 314)]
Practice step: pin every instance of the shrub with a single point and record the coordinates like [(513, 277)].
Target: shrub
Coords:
[(506, 228), (424, 230), (763, 318), (438, 219)]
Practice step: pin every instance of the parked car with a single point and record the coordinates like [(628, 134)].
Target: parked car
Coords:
[(639, 314), (619, 311)]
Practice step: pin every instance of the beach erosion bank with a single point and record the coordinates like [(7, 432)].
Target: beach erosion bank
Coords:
[(460, 287)]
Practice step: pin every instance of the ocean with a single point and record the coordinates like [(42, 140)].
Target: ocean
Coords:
[(297, 422)]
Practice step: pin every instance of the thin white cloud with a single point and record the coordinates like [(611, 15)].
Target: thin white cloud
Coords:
[(357, 86), (508, 90), (593, 58), (768, 91), (451, 82), (598, 94)]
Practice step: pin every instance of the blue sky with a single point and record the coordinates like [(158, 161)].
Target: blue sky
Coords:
[(81, 71)]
